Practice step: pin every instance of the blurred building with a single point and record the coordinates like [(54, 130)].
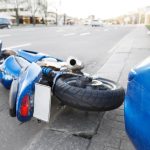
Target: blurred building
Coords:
[(52, 18), (147, 15), (140, 16), (91, 17), (25, 15)]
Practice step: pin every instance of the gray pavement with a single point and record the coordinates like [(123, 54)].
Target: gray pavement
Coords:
[(131, 50), (70, 128), (91, 45)]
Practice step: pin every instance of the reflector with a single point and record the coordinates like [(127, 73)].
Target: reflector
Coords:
[(24, 110)]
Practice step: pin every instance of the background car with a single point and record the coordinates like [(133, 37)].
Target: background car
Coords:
[(87, 23), (5, 23), (96, 23)]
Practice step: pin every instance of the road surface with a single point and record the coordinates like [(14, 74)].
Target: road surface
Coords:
[(92, 45)]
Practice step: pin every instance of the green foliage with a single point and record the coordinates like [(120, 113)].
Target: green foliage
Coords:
[(148, 27)]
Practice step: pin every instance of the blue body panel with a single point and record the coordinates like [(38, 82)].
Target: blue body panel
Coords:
[(12, 70), (31, 56), (28, 73), (137, 106), (11, 66), (6, 80), (26, 86)]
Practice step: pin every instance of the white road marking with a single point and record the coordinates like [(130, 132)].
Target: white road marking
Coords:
[(86, 33), (115, 47), (112, 49), (148, 32), (59, 30), (28, 29), (5, 35), (17, 46), (106, 30), (69, 34)]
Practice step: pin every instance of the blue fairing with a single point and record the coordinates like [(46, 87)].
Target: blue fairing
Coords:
[(26, 86), (6, 80), (12, 70), (11, 66), (23, 67), (31, 56), (137, 106)]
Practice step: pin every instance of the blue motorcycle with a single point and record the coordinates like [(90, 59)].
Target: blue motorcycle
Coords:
[(21, 69)]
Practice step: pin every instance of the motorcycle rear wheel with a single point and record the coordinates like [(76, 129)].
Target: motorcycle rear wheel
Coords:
[(12, 98), (99, 95)]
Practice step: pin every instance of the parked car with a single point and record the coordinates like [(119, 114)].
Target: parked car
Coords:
[(86, 22), (96, 23), (137, 106), (5, 23)]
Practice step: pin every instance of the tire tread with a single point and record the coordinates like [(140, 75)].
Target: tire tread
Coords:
[(86, 99)]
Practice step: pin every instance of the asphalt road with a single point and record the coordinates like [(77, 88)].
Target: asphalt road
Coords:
[(92, 45)]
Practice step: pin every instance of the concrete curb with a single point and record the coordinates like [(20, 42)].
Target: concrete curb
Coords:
[(131, 50), (113, 67)]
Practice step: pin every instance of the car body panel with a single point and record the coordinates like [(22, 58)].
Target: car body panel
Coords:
[(137, 106), (96, 23), (5, 23)]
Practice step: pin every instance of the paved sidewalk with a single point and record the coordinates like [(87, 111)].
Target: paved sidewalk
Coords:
[(78, 130)]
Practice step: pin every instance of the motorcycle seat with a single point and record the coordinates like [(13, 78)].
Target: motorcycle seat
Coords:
[(31, 56)]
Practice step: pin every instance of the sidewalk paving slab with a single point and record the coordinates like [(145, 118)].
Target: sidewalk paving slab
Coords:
[(77, 122), (54, 140), (111, 133)]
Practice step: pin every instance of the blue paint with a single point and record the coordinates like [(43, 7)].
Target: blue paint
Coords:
[(6, 81), (137, 106), (13, 68), (31, 56), (46, 70), (26, 86)]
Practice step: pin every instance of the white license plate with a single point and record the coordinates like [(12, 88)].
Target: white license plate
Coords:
[(42, 102)]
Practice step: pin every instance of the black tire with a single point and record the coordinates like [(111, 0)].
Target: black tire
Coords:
[(89, 99), (13, 98)]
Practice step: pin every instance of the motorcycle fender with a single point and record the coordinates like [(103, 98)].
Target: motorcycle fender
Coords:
[(26, 86)]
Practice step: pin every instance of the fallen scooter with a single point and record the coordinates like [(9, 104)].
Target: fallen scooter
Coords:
[(22, 70)]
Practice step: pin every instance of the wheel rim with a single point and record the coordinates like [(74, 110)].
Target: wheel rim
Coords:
[(97, 84)]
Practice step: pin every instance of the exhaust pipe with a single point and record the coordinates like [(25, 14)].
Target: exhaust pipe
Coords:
[(74, 64)]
